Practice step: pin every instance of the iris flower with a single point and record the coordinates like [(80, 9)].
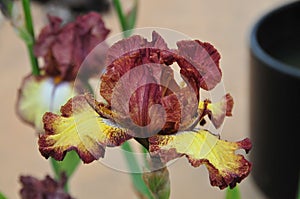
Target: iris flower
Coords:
[(144, 101), (62, 49), (46, 188)]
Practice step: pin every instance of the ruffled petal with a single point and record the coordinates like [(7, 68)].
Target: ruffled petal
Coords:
[(39, 95), (226, 168), (134, 44), (33, 188), (79, 128), (64, 47), (139, 75), (181, 110), (130, 53), (199, 63), (217, 111)]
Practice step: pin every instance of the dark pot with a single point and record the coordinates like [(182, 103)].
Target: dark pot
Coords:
[(275, 101)]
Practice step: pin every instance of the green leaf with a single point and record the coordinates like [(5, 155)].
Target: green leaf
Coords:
[(158, 182), (233, 193), (68, 166), (131, 16), (121, 16), (137, 179), (29, 28), (25, 36), (128, 21), (131, 19), (2, 196)]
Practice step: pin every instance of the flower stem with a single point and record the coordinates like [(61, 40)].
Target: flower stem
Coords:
[(233, 193), (29, 27), (127, 23), (136, 177)]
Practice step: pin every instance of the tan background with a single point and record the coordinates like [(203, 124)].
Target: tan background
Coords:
[(225, 23)]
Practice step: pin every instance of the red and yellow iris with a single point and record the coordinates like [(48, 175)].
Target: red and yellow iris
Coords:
[(144, 101)]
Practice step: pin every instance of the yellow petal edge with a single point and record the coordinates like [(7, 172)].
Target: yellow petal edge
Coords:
[(79, 128), (226, 168)]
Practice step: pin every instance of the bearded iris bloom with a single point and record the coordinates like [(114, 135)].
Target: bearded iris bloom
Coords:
[(62, 49), (143, 101)]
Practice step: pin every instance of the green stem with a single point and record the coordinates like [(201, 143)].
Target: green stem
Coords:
[(233, 193), (29, 27), (136, 178)]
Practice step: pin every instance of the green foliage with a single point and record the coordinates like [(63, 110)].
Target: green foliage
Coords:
[(137, 179), (27, 35), (68, 165), (2, 196), (233, 193), (158, 182), (128, 21)]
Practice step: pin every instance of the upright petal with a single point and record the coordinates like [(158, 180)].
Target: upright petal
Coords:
[(226, 168), (199, 63), (64, 47), (130, 53), (134, 44), (79, 128)]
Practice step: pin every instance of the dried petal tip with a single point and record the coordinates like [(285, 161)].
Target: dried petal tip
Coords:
[(48, 188), (226, 168), (79, 128)]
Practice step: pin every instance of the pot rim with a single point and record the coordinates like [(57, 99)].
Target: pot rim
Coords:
[(265, 57)]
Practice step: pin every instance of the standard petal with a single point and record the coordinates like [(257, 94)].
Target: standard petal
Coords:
[(130, 53), (79, 128), (134, 44), (64, 47), (226, 168), (39, 95), (199, 63), (217, 111)]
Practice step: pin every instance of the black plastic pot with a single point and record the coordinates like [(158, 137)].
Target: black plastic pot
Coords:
[(275, 101)]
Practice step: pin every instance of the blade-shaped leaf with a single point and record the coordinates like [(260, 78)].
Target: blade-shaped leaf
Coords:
[(24, 35), (68, 165), (131, 16), (2, 196), (158, 182), (128, 21)]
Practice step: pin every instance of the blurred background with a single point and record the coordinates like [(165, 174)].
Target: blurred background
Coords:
[(225, 24)]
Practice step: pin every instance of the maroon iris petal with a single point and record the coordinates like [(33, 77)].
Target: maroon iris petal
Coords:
[(64, 47)]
